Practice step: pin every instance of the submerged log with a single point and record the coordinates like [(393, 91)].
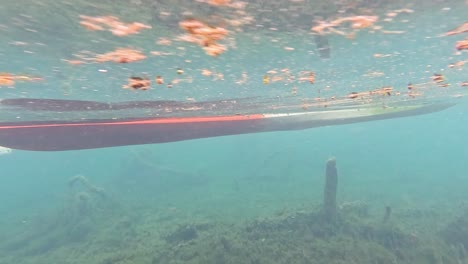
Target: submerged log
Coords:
[(388, 213)]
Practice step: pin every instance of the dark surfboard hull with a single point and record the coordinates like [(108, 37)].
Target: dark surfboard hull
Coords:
[(59, 136)]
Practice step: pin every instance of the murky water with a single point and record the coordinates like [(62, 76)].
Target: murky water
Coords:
[(199, 132)]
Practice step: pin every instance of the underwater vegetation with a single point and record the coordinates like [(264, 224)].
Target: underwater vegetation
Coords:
[(329, 234), (93, 228), (456, 232)]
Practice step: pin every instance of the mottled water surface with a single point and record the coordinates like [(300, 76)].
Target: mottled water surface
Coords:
[(252, 198)]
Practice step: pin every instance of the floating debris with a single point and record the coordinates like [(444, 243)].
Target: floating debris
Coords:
[(218, 2), (463, 28), (457, 64), (354, 95), (159, 80), (138, 83), (204, 35), (113, 24), (382, 91), (438, 78), (121, 55), (311, 77), (462, 44), (355, 23), (9, 79)]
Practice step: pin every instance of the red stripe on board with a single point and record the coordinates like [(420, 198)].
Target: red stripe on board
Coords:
[(177, 120)]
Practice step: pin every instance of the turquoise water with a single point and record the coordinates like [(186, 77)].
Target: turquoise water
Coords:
[(253, 198)]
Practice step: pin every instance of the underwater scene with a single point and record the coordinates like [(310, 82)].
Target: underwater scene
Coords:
[(232, 132)]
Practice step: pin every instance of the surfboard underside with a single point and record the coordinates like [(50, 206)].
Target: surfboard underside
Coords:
[(89, 134)]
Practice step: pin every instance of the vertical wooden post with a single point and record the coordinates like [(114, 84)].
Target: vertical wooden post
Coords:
[(329, 195)]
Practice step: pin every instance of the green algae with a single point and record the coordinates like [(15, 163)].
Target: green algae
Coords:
[(308, 238), (298, 237), (94, 228)]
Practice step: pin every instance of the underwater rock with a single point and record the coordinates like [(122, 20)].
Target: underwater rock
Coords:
[(183, 234), (329, 194)]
